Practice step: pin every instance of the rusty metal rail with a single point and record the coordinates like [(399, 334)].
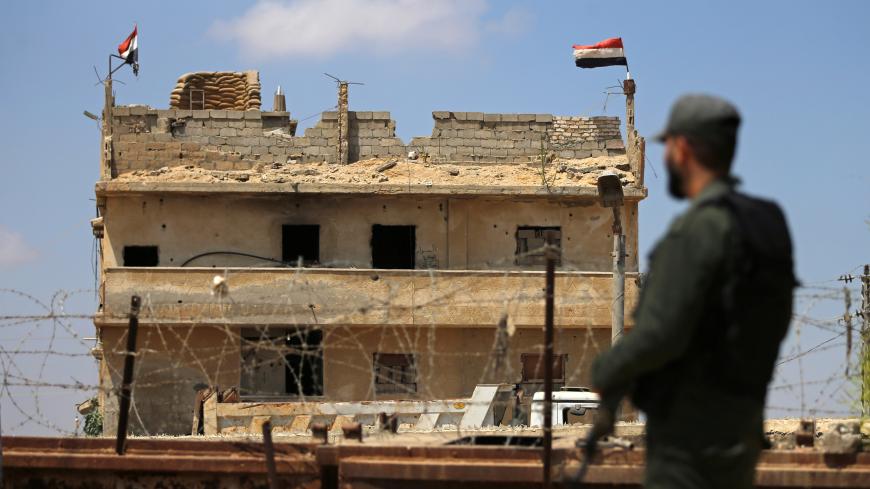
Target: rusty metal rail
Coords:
[(66, 462)]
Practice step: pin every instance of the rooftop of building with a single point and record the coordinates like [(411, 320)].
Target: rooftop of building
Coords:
[(214, 137)]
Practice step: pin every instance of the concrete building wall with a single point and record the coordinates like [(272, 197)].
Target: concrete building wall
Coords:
[(175, 361), (171, 364), (451, 233), (148, 139)]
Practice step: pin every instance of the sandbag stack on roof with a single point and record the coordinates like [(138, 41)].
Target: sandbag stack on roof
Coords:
[(225, 90)]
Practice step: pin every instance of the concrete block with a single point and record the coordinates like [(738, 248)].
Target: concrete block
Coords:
[(381, 115), (200, 114), (253, 123), (242, 150), (138, 110), (614, 144), (474, 116), (509, 117), (329, 116), (217, 114), (314, 132), (237, 124), (228, 132), (168, 113), (362, 116), (235, 114), (492, 117), (381, 133), (460, 116), (543, 117), (526, 117), (441, 114), (120, 111)]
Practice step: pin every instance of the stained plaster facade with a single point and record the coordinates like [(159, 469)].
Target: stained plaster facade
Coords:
[(466, 280)]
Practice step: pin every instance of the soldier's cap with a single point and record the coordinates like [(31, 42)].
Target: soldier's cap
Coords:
[(704, 117)]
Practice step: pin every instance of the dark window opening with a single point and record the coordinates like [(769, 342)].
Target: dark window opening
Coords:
[(531, 241), (278, 362), (140, 256), (393, 246), (395, 373), (533, 367), (300, 240), (304, 366)]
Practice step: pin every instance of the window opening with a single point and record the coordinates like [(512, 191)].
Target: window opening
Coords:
[(283, 361), (141, 256), (531, 241), (300, 240), (395, 373), (393, 247)]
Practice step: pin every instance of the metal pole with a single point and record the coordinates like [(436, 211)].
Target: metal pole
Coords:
[(617, 311), (124, 395), (271, 472), (548, 358), (865, 342)]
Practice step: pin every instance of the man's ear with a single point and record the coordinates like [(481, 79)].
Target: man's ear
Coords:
[(682, 151)]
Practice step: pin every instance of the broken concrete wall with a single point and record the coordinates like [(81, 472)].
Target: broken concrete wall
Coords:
[(148, 139), (506, 138)]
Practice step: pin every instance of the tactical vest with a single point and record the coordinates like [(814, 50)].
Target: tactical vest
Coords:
[(736, 352)]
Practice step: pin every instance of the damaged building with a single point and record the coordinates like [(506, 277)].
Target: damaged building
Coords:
[(343, 264)]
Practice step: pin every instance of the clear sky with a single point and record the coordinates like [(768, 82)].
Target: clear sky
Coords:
[(797, 70)]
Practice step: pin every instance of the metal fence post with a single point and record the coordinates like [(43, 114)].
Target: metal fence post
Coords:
[(129, 359)]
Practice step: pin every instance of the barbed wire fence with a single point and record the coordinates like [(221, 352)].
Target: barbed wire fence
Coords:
[(49, 351)]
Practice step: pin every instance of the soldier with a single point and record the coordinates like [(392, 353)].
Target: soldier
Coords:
[(712, 313)]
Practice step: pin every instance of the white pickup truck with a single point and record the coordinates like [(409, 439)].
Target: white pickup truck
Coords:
[(568, 403)]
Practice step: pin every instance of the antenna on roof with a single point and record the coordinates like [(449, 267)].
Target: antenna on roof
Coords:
[(340, 81), (343, 125)]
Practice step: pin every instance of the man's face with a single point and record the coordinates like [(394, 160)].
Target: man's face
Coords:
[(676, 159)]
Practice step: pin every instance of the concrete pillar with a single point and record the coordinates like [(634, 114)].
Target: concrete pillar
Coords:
[(106, 153), (280, 103), (342, 123), (635, 145)]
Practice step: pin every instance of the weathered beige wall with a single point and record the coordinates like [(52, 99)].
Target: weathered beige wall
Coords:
[(176, 360), (171, 362), (281, 296), (451, 233), (450, 362)]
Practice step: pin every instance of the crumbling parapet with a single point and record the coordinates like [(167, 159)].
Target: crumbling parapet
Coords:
[(518, 138), (149, 139)]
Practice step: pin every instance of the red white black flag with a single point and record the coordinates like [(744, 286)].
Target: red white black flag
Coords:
[(129, 50), (606, 53)]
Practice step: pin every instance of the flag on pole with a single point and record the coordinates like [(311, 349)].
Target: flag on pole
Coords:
[(606, 53), (129, 50)]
